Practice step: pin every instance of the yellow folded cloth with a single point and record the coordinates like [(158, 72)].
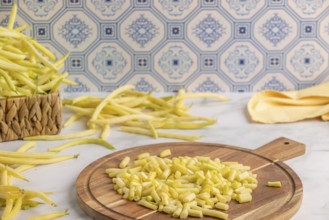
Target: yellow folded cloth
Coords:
[(271, 106)]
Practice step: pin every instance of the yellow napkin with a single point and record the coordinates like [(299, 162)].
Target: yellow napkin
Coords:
[(277, 107)]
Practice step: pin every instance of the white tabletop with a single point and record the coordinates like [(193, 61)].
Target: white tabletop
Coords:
[(233, 128)]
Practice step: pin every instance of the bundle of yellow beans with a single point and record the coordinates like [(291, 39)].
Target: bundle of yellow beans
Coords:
[(140, 113), (183, 186), (14, 198), (26, 67)]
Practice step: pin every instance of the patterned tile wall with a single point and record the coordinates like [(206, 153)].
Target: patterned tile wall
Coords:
[(201, 45)]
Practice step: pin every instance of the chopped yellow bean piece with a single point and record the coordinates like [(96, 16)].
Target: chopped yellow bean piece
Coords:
[(221, 206), (195, 213), (124, 162), (183, 186), (274, 184), (245, 197), (147, 204), (165, 153)]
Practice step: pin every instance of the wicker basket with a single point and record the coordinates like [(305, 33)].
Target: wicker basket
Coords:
[(29, 116)]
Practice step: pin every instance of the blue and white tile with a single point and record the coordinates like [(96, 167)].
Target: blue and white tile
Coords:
[(83, 84), (175, 10), (209, 30), (109, 62), (309, 8), (243, 9), (206, 82), (275, 30), (41, 10), (241, 62), (75, 31), (145, 82), (175, 62), (324, 30), (108, 10), (307, 60), (273, 81), (142, 31)]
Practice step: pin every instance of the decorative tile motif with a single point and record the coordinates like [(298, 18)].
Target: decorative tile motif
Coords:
[(175, 62), (307, 60), (209, 30), (4, 21), (273, 81), (142, 31), (40, 8), (165, 45), (242, 61), (75, 31), (145, 82), (274, 84), (275, 29), (309, 7), (109, 62), (144, 86), (80, 87), (175, 8), (208, 86), (108, 8), (105, 9), (242, 7)]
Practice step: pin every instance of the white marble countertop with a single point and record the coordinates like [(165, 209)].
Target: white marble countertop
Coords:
[(233, 128)]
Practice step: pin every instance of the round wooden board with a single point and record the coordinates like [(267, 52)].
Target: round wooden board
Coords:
[(96, 196)]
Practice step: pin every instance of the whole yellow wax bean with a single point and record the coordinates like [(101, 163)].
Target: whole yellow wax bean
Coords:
[(50, 216)]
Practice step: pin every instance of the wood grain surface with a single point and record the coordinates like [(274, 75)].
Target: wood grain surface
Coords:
[(96, 196)]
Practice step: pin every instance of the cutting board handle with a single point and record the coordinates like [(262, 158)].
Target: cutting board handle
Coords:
[(281, 149)]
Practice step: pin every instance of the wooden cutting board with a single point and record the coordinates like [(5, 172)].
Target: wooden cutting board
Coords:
[(96, 196)]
